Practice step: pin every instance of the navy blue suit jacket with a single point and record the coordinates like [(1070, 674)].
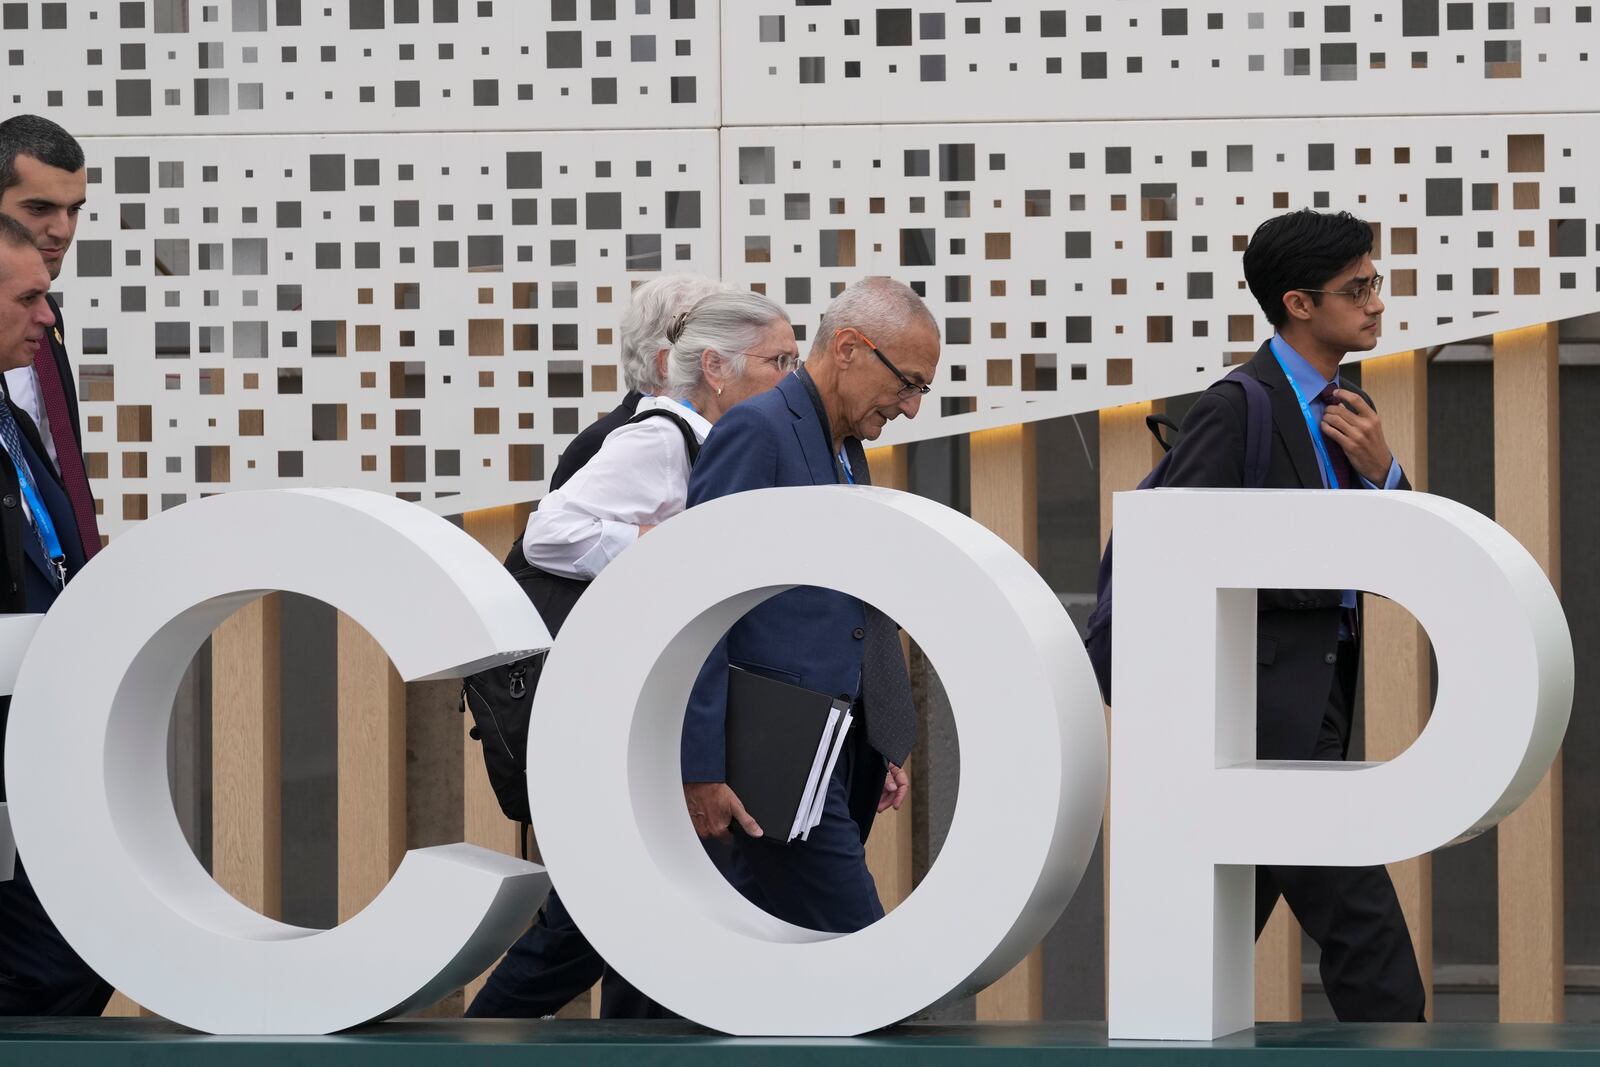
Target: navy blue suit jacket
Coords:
[(808, 636)]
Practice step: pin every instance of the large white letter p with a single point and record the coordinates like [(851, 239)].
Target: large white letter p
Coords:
[(1192, 810)]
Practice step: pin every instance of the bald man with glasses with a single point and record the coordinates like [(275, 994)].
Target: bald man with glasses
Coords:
[(872, 361)]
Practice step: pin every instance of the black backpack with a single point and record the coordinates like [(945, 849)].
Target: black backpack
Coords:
[(500, 699), (1257, 455)]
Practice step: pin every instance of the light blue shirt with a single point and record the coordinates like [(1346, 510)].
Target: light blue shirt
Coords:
[(1311, 383)]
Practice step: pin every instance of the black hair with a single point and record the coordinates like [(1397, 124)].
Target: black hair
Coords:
[(37, 138), (1301, 250), (14, 234)]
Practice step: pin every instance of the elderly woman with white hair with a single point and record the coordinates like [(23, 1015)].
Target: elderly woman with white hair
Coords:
[(643, 335), (730, 346)]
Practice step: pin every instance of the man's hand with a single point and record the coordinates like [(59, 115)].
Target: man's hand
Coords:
[(713, 807), (1356, 428), (896, 784)]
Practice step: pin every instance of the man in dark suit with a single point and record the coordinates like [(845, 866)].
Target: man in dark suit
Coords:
[(873, 360), (651, 309), (1314, 278), (40, 549), (43, 182)]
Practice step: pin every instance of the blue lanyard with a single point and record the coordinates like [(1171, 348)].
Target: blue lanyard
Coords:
[(1329, 479), (41, 517), (844, 464)]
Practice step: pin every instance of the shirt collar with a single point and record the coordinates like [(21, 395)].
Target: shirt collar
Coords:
[(697, 422), (1305, 377)]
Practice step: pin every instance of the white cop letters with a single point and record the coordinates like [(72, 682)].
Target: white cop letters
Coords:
[(93, 818), (1191, 811)]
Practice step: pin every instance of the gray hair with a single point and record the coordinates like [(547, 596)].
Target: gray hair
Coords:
[(876, 305), (650, 312), (728, 323)]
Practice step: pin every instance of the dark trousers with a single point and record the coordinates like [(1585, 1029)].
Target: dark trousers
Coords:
[(1369, 969), (549, 966), (39, 972), (821, 883)]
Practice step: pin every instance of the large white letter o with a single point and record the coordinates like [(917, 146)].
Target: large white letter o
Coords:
[(606, 788)]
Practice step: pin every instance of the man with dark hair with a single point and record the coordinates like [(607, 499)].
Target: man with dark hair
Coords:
[(40, 551), (1313, 276), (42, 186)]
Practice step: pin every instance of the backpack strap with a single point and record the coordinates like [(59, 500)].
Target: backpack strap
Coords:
[(1257, 428), (691, 444), (1164, 429)]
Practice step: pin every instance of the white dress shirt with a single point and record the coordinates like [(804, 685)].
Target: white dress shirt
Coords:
[(640, 477), (22, 383)]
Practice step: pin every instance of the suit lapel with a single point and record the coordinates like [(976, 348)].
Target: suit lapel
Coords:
[(1287, 418), (58, 349), (808, 431)]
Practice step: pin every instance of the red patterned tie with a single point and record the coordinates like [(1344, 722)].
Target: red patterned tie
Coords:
[(53, 398)]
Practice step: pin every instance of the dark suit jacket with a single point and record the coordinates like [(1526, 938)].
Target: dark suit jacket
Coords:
[(25, 582), (807, 636), (587, 443), (1297, 629)]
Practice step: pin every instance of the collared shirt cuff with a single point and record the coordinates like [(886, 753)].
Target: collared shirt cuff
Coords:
[(1390, 480), (614, 537)]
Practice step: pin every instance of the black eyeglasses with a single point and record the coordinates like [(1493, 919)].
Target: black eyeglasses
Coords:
[(909, 388), (1360, 294)]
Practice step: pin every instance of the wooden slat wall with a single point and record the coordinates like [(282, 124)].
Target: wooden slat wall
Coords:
[(1527, 502), (1394, 648), (372, 768), (889, 845), (1005, 498)]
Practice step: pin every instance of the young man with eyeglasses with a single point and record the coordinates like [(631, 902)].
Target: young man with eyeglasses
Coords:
[(1313, 276), (872, 360)]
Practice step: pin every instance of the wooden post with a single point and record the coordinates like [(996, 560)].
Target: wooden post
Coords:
[(246, 761), (1394, 648), (1005, 498), (372, 768), (482, 821), (1527, 502), (889, 845)]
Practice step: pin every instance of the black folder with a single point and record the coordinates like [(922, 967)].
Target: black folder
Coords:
[(775, 732)]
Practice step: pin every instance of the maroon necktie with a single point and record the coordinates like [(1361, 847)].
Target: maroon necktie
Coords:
[(69, 460), (1336, 457)]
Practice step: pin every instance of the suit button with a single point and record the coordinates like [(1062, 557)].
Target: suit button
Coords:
[(1331, 657), (845, 697), (858, 633), (10, 501)]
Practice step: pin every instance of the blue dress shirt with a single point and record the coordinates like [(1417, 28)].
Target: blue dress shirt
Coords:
[(1311, 383)]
